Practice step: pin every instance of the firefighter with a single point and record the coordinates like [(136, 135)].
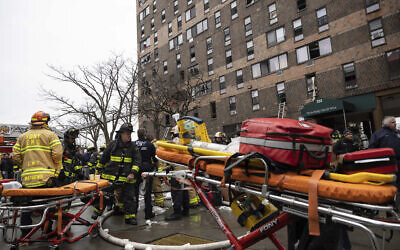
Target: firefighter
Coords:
[(157, 188), (218, 138), (148, 163), (94, 159), (72, 159), (39, 154), (120, 165)]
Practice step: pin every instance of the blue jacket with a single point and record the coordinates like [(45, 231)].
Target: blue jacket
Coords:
[(148, 155), (386, 138)]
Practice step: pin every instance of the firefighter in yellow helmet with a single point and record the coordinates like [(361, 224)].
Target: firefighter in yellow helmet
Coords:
[(39, 153), (120, 165)]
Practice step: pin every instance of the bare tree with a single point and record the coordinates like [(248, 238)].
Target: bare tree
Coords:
[(107, 88), (160, 96)]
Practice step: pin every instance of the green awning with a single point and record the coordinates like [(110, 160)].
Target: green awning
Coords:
[(362, 102), (325, 106)]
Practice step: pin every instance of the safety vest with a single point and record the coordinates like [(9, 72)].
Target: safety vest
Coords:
[(118, 161), (39, 153)]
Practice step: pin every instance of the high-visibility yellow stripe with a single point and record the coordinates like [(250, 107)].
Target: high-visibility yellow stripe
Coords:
[(54, 142), (116, 158), (78, 167), (128, 160), (17, 146), (136, 168), (129, 216), (68, 160), (108, 177), (35, 184), (90, 164), (99, 165), (38, 170), (193, 201)]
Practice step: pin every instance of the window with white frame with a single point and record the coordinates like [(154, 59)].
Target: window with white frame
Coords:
[(376, 32), (144, 13), (228, 58), (209, 47), (196, 30), (141, 2), (276, 36), (217, 16), (176, 7), (155, 38), (210, 66), (165, 68), (206, 6), (234, 11), (156, 54), (222, 85), (281, 92), (175, 42), (311, 85), (179, 21), (152, 23), (145, 59), (250, 50), (247, 26), (255, 101), (190, 14), (371, 6), (314, 50), (142, 31), (239, 79), (322, 20), (194, 70), (144, 44), (189, 2), (232, 105), (163, 16), (202, 89), (227, 36), (298, 30), (178, 61), (270, 65), (154, 6), (349, 75), (250, 2), (169, 29), (273, 15), (192, 54)]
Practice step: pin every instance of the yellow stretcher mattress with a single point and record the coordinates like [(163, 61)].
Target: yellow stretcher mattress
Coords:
[(80, 187), (366, 193)]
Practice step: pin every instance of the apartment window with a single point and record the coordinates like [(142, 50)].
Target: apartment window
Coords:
[(239, 79), (250, 50), (234, 11), (273, 16), (192, 54), (255, 101), (322, 20), (156, 54), (270, 65), (178, 61), (202, 89), (154, 6), (298, 30), (209, 47), (175, 42), (393, 58), (371, 6), (155, 38), (176, 8), (276, 36), (189, 2), (196, 30), (349, 75), (145, 59), (144, 13), (141, 2), (250, 2), (217, 16), (222, 85), (210, 66), (311, 86), (152, 24), (182, 75), (165, 67), (144, 44), (232, 105), (190, 14), (280, 89), (179, 18), (247, 26), (194, 70), (314, 50), (163, 16), (227, 35), (169, 29), (142, 30), (376, 32), (213, 109), (228, 58), (301, 5), (206, 6)]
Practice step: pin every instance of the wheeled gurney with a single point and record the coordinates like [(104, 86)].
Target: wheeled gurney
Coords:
[(52, 204)]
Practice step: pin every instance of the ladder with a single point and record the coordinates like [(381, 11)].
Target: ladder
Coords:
[(281, 109), (166, 133)]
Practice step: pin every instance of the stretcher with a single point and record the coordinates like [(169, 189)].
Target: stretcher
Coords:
[(51, 204), (364, 205)]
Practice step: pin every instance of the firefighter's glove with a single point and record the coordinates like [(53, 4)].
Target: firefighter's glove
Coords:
[(131, 177)]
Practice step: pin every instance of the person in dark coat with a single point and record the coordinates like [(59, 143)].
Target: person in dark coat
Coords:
[(346, 144)]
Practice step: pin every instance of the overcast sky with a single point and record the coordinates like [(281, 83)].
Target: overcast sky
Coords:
[(63, 33)]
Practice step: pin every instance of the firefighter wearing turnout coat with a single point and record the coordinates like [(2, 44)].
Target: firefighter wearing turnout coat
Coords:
[(120, 165), (72, 159)]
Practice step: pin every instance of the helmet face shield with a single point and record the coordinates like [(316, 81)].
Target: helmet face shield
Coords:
[(40, 118)]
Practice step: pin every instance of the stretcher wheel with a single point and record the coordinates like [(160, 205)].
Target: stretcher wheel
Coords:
[(95, 232), (54, 247)]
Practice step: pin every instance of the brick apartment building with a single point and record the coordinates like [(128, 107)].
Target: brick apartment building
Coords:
[(330, 61)]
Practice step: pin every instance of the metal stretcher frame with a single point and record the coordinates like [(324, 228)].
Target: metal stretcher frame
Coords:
[(292, 204), (50, 208)]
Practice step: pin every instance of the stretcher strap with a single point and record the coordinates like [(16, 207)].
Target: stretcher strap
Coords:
[(101, 201), (313, 221)]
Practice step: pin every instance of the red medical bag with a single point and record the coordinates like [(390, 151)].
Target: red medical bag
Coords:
[(293, 143), (375, 160)]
